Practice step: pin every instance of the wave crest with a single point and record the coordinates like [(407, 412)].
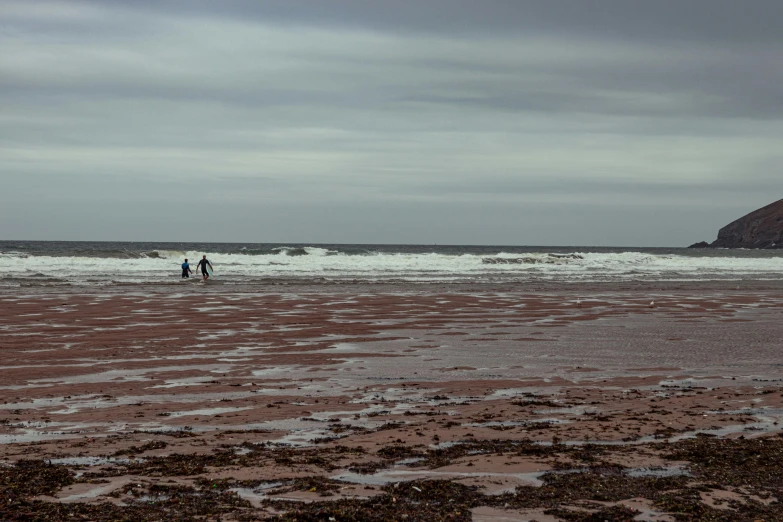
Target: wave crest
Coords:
[(547, 259), (162, 254), (291, 251), (13, 254), (304, 251)]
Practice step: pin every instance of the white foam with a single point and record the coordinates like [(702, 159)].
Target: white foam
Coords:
[(322, 263)]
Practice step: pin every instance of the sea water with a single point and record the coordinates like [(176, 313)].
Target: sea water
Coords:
[(32, 263)]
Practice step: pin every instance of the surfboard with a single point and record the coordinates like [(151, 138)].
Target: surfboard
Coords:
[(209, 271)]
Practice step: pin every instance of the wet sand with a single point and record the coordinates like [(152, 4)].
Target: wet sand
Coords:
[(277, 402)]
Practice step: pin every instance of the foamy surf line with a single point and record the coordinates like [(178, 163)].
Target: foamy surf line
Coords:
[(315, 265)]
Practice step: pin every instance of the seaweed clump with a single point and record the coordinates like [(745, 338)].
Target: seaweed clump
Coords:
[(155, 503), (431, 500), (607, 514), (599, 485), (29, 478), (748, 463)]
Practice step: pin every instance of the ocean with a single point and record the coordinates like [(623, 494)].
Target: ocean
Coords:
[(55, 263)]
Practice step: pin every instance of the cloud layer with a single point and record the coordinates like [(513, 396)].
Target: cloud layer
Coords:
[(610, 122)]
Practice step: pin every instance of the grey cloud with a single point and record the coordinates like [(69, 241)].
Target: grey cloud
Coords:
[(418, 108), (724, 21)]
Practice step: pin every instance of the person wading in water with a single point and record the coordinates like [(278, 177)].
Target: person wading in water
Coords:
[(186, 271), (202, 265)]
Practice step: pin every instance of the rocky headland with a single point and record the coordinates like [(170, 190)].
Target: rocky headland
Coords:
[(762, 228)]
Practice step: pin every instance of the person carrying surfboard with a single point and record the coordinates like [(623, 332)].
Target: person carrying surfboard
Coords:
[(202, 265), (186, 271)]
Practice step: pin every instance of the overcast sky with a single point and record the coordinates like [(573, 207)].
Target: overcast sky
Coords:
[(605, 122)]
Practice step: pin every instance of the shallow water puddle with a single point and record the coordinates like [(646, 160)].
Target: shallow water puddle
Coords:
[(207, 411), (383, 478), (256, 495), (91, 461)]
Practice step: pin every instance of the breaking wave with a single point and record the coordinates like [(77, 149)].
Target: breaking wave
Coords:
[(129, 263), (543, 259), (12, 254), (163, 254), (292, 251)]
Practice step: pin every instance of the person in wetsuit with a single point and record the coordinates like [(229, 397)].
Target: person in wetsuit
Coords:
[(186, 271), (202, 265)]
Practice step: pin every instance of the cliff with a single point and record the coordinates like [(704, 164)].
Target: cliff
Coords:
[(762, 228)]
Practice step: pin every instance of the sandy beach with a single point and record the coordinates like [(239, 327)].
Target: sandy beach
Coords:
[(410, 404)]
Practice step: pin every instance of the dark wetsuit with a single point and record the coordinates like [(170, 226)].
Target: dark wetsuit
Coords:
[(202, 265), (185, 270)]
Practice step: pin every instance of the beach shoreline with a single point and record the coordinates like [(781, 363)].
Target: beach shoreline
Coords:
[(344, 384)]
